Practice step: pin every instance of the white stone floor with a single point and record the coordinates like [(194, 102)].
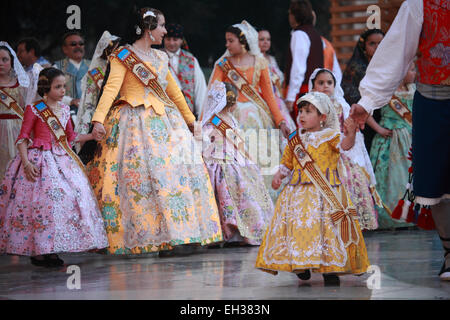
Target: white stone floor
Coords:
[(409, 262)]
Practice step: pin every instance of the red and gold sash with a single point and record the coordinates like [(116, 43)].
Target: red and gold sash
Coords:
[(343, 215), (52, 122), (97, 76), (10, 103), (230, 135), (401, 109), (243, 85), (144, 74)]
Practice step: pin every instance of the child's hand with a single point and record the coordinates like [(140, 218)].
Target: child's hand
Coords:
[(31, 171), (350, 126), (276, 181), (385, 133)]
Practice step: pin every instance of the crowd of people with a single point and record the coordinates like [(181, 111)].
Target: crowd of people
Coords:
[(133, 152)]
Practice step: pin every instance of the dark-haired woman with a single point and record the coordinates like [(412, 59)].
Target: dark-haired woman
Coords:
[(356, 70), (13, 91), (257, 107), (152, 186), (46, 203)]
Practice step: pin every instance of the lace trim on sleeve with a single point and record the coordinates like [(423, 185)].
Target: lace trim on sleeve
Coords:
[(260, 64)]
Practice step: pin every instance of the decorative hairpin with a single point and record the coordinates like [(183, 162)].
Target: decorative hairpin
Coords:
[(149, 13)]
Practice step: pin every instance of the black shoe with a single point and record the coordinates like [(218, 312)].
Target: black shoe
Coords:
[(331, 279), (39, 262), (304, 275), (54, 260)]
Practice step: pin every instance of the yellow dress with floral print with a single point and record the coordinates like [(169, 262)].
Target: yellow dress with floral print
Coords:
[(153, 190), (301, 234)]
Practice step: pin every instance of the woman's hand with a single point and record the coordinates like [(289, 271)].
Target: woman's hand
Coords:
[(98, 132), (359, 114), (385, 133), (284, 129), (31, 171)]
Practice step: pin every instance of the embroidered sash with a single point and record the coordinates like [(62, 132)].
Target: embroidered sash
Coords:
[(97, 76), (401, 109), (243, 85), (144, 74), (343, 215), (10, 103), (230, 135), (52, 122)]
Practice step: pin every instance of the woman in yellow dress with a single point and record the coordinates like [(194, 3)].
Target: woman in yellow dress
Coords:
[(304, 235), (153, 191), (252, 112)]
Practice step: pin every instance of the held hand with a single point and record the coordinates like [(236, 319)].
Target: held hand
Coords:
[(276, 181), (284, 129), (350, 126), (31, 171), (385, 133), (359, 114), (99, 131), (191, 127)]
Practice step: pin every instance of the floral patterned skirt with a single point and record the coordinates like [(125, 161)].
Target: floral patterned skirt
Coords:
[(390, 163), (151, 183), (245, 206), (268, 151), (57, 213), (357, 183), (302, 236)]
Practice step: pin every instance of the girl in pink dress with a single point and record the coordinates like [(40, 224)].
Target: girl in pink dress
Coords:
[(46, 203)]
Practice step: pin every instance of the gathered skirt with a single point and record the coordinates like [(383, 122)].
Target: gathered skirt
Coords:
[(390, 163), (57, 213), (152, 185), (245, 206), (302, 236)]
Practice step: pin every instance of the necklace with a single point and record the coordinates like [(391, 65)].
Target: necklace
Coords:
[(148, 53)]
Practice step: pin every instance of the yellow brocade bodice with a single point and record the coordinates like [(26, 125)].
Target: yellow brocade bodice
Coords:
[(133, 91), (323, 146)]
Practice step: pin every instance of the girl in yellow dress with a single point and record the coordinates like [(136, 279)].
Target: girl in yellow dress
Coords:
[(302, 236), (153, 191)]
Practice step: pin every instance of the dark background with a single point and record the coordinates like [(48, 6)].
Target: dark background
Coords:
[(204, 21)]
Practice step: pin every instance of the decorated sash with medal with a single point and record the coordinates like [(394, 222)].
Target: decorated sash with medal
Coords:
[(10, 103), (243, 86), (343, 215), (53, 123), (401, 109), (235, 139), (143, 73), (97, 76)]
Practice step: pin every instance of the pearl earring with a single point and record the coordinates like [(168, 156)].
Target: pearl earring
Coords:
[(151, 36), (321, 124)]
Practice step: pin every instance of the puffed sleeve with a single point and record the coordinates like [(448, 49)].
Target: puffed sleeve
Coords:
[(287, 158), (110, 91), (70, 133), (334, 143), (175, 94), (29, 119), (268, 96)]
